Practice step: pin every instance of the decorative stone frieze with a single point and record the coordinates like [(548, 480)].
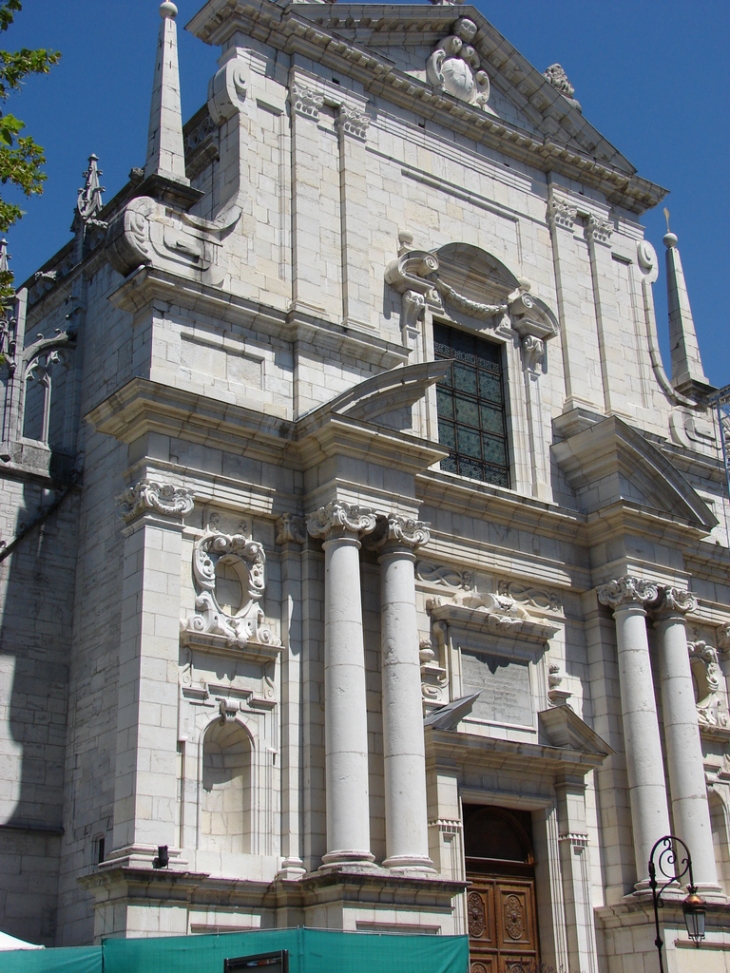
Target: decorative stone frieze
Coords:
[(627, 591), (237, 624), (291, 530), (528, 595), (164, 498), (559, 80), (455, 66), (305, 100), (341, 518), (351, 121), (443, 575), (561, 213)]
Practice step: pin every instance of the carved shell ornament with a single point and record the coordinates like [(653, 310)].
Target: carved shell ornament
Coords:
[(455, 67)]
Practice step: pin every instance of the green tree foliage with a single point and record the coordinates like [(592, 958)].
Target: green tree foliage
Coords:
[(21, 157)]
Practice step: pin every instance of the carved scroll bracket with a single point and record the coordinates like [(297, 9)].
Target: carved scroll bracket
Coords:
[(148, 495)]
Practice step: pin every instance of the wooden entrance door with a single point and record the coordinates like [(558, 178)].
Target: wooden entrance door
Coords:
[(501, 907), (502, 925)]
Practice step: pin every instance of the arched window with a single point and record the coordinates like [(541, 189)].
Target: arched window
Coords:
[(225, 792)]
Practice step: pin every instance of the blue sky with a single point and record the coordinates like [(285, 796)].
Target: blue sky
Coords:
[(652, 75)]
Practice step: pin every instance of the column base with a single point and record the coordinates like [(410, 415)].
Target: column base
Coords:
[(409, 865), (347, 856)]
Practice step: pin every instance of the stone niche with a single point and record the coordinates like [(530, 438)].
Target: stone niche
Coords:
[(488, 644)]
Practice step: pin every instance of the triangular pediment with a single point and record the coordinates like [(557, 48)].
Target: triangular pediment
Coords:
[(610, 462), (520, 96)]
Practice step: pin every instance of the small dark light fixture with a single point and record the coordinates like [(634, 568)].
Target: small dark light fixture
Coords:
[(163, 857), (693, 907)]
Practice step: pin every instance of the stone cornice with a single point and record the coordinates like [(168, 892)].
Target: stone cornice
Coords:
[(145, 284), (317, 33)]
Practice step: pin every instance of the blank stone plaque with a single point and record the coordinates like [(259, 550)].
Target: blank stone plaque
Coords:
[(504, 684)]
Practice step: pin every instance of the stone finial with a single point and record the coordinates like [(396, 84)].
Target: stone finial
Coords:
[(685, 350), (165, 147), (89, 202), (559, 80), (4, 257)]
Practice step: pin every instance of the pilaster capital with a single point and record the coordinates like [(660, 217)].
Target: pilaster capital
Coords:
[(723, 638), (627, 592), (341, 518), (164, 498), (291, 530), (351, 121), (305, 100), (561, 213), (598, 230), (675, 600), (396, 531)]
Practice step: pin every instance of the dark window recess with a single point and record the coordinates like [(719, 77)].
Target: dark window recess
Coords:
[(471, 407)]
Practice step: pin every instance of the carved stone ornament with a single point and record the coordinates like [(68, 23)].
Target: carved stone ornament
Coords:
[(489, 614), (342, 518), (353, 122), (527, 595), (723, 638), (676, 600), (598, 230), (442, 575), (533, 352), (227, 91), (711, 703), (164, 498), (473, 308), (291, 530), (401, 532), (238, 563), (562, 213), (146, 232), (627, 592), (305, 100), (559, 80), (89, 203), (455, 67)]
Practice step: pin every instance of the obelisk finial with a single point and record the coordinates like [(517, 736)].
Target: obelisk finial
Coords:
[(687, 367), (165, 147)]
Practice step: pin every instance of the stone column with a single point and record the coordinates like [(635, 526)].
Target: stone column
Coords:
[(690, 810), (406, 807), (346, 730), (629, 597)]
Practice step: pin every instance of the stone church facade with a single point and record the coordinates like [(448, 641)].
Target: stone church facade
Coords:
[(362, 567)]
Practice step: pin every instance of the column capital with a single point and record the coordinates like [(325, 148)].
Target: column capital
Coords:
[(396, 531), (675, 600), (627, 592), (164, 498), (723, 638), (341, 518)]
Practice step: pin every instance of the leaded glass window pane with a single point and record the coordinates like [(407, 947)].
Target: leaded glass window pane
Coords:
[(471, 407)]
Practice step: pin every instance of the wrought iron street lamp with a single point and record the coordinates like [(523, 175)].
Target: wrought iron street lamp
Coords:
[(673, 870)]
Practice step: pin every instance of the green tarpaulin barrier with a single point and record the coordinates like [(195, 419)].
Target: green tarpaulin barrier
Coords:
[(80, 959), (310, 951)]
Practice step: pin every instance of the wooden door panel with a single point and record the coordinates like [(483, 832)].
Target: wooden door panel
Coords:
[(480, 912), (502, 924), (515, 915)]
